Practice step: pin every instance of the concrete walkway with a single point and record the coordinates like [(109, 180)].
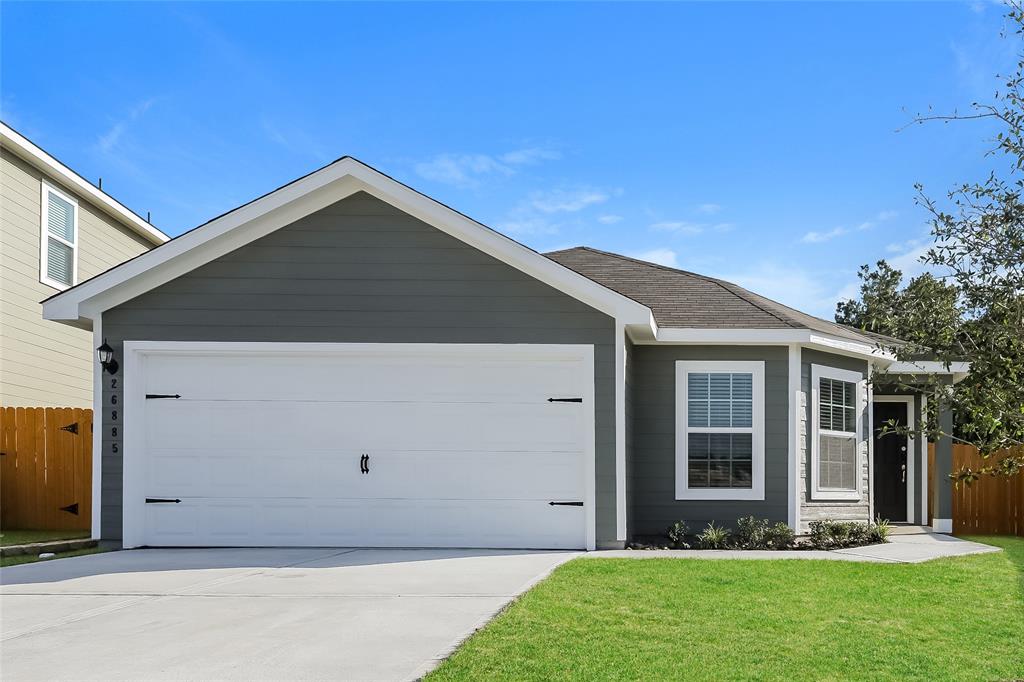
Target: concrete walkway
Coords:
[(253, 614), (907, 545)]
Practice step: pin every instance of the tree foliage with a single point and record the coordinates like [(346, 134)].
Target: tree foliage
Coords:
[(970, 305)]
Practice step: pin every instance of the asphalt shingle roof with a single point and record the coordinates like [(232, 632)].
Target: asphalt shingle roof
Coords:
[(686, 300)]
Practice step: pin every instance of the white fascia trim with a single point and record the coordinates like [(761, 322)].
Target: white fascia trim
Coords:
[(958, 370), (682, 489), (772, 337), (40, 159), (301, 198), (911, 448), (856, 378)]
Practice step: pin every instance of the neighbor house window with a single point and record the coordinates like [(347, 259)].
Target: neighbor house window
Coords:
[(719, 430), (58, 248), (835, 456)]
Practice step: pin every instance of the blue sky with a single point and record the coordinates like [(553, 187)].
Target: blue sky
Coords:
[(754, 142)]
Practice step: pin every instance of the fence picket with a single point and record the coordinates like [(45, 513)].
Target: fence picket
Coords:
[(45, 468), (991, 505)]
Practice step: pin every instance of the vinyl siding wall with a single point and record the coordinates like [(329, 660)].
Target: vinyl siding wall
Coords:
[(363, 271), (44, 363), (653, 506), (839, 510)]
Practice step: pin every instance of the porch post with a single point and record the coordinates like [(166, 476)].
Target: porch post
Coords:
[(942, 515)]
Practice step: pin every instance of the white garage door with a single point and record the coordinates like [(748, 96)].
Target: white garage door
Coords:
[(386, 445)]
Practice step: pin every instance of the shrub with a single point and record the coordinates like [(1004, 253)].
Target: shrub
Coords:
[(754, 533), (749, 533), (713, 537), (677, 533), (780, 536), (829, 534)]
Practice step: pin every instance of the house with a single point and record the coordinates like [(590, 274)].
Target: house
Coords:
[(56, 230), (347, 362)]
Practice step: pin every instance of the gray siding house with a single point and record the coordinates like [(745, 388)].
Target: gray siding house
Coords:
[(345, 361)]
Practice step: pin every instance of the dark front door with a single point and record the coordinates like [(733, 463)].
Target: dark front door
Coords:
[(890, 463)]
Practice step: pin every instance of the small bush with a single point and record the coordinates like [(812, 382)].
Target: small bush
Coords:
[(780, 536), (829, 534), (754, 533), (677, 534), (713, 537)]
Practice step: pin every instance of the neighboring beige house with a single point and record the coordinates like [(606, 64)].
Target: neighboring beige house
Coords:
[(56, 230)]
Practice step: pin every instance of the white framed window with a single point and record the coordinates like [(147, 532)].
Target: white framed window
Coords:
[(837, 397), (58, 239), (719, 430)]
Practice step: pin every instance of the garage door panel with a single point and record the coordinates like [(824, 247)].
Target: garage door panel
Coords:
[(363, 523), (448, 475), (201, 425), (464, 450), (363, 377)]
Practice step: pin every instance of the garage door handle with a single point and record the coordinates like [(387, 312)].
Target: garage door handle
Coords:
[(565, 400), (161, 500), (565, 504), (364, 464)]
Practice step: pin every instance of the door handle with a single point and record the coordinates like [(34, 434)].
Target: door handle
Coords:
[(903, 471)]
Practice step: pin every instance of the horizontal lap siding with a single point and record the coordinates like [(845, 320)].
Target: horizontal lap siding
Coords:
[(361, 271), (839, 510), (653, 505), (45, 363)]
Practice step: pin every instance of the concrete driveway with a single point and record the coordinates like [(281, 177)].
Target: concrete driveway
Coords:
[(338, 614)]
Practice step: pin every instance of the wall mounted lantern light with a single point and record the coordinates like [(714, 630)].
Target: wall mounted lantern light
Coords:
[(106, 354)]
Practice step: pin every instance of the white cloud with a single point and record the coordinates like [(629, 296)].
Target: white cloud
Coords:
[(609, 219), (110, 139), (527, 226), (787, 284), (665, 257), (816, 237), (461, 170), (678, 226), (708, 209), (689, 227), (530, 155), (467, 170), (819, 237), (566, 201)]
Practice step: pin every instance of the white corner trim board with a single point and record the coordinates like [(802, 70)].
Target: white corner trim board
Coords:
[(301, 198), (620, 432), (25, 149), (794, 392), (684, 491), (388, 445)]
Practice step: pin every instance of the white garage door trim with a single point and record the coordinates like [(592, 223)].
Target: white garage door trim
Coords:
[(135, 353)]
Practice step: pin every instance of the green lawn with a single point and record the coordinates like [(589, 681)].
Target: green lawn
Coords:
[(29, 558), (952, 619), (21, 537)]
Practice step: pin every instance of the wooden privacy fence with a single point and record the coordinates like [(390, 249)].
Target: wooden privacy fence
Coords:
[(45, 468), (991, 505)]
